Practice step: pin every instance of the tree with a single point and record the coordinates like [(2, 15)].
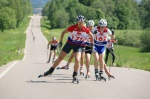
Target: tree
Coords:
[(7, 18)]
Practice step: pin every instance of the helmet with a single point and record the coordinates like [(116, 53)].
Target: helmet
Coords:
[(90, 23), (54, 38), (103, 22), (80, 18)]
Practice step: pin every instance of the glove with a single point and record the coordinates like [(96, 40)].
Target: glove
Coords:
[(112, 31), (95, 32), (60, 44), (91, 45)]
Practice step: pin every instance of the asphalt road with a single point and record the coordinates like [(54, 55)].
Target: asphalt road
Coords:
[(18, 79)]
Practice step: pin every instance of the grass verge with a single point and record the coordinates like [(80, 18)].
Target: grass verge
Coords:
[(12, 43)]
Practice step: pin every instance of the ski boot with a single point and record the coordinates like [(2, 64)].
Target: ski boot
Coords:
[(75, 79), (45, 74), (88, 74), (49, 72), (101, 77), (81, 71)]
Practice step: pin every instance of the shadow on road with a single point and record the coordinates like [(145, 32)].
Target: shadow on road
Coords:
[(31, 81)]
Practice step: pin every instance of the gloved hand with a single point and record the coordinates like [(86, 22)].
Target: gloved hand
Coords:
[(60, 44), (95, 32), (113, 32), (91, 45)]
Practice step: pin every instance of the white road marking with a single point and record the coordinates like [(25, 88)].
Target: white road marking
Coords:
[(3, 73)]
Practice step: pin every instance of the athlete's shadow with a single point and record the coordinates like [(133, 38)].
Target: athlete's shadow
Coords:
[(57, 81), (31, 81)]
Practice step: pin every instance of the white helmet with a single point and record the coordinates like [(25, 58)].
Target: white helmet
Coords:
[(90, 23), (80, 18), (54, 38), (103, 22)]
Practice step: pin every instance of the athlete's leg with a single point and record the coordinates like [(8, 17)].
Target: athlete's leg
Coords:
[(96, 59), (82, 58), (59, 59), (55, 52), (107, 54), (69, 61), (77, 61), (113, 56), (101, 60), (56, 63), (88, 63), (87, 60), (82, 63), (50, 56)]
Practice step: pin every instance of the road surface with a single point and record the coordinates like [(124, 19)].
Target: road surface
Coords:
[(18, 79)]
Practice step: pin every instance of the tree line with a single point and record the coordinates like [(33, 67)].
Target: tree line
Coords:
[(12, 13), (120, 14)]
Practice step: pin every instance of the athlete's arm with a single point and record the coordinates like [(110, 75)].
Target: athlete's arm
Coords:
[(91, 37), (49, 43), (62, 34)]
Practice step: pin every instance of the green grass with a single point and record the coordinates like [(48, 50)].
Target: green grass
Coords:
[(130, 56), (11, 41)]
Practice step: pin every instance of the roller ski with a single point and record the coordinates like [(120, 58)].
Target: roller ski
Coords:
[(108, 73), (75, 80), (99, 76), (88, 74), (64, 67)]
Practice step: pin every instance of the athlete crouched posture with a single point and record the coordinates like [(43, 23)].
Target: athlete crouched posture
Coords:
[(77, 38), (53, 48), (100, 41)]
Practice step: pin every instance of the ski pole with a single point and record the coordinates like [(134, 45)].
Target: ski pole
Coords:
[(117, 57)]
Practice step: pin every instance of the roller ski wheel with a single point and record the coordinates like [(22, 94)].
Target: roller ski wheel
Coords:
[(97, 77), (87, 76), (102, 78), (111, 76), (75, 80), (81, 73)]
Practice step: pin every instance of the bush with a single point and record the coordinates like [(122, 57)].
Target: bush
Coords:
[(145, 40)]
